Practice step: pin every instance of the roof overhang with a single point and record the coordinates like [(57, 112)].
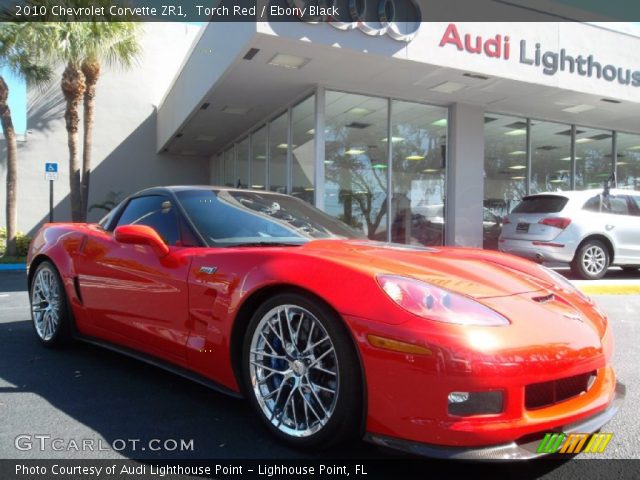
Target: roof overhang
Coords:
[(219, 94)]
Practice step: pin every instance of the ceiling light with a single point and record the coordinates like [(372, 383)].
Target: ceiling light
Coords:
[(355, 151), (417, 157), (284, 146), (518, 152), (584, 140), (205, 138), (431, 170), (448, 87), (517, 132), (261, 157), (557, 180), (251, 53), (234, 110), (578, 108), (621, 163), (257, 187), (517, 167), (567, 159), (635, 147), (393, 139), (440, 123), (358, 125), (379, 166), (517, 178), (475, 75), (309, 189), (328, 162), (288, 61), (359, 111)]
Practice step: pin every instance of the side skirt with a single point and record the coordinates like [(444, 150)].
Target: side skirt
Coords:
[(157, 362)]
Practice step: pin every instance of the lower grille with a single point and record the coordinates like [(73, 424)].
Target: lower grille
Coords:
[(539, 395)]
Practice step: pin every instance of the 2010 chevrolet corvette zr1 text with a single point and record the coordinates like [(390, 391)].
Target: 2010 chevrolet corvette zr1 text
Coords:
[(448, 352)]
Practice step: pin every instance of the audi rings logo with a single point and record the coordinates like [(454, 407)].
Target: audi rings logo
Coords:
[(399, 19)]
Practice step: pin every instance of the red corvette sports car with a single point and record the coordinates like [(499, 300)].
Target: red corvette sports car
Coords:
[(448, 352)]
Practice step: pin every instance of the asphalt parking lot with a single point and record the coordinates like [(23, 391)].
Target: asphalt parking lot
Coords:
[(88, 393)]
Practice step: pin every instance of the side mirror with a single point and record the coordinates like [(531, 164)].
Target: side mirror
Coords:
[(141, 235)]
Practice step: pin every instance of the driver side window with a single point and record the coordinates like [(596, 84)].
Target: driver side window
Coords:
[(156, 212)]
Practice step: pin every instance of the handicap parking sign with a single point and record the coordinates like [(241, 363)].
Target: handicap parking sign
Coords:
[(51, 171)]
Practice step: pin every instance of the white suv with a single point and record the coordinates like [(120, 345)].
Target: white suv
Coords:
[(589, 229)]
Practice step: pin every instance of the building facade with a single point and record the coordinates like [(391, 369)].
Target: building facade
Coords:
[(426, 133), (428, 139)]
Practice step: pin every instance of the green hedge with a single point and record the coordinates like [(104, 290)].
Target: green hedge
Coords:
[(22, 242)]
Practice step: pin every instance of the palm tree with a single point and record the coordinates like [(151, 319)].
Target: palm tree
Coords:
[(82, 47), (115, 43), (16, 54)]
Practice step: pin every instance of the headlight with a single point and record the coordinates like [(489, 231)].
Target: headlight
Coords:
[(565, 284), (435, 303)]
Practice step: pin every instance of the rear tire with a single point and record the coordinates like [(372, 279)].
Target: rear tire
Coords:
[(301, 373), (50, 312), (591, 260)]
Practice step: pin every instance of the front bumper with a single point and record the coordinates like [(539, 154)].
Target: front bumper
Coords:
[(525, 450)]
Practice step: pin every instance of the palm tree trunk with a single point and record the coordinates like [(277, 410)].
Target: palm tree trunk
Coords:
[(91, 71), (73, 87), (12, 169)]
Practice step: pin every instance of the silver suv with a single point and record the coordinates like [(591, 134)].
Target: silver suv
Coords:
[(589, 229)]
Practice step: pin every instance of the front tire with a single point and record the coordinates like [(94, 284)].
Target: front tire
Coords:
[(300, 372), (50, 311), (591, 260)]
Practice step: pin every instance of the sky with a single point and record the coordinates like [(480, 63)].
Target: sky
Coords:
[(17, 101)]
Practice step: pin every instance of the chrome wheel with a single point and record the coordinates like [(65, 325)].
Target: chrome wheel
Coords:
[(46, 304), (293, 369), (594, 260)]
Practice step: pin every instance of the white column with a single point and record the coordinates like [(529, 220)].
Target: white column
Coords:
[(465, 176)]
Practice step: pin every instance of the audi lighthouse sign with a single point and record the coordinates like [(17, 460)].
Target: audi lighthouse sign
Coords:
[(398, 19)]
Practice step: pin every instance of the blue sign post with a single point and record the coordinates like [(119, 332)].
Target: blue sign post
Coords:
[(51, 174)]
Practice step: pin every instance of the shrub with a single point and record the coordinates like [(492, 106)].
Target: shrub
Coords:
[(22, 243)]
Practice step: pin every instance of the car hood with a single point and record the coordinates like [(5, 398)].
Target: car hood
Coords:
[(473, 272)]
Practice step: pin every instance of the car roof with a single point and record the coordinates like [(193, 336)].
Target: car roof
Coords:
[(584, 193)]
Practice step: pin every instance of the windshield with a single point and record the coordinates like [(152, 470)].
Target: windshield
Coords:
[(232, 218)]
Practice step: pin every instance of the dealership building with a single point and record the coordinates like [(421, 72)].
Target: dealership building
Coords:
[(415, 133)]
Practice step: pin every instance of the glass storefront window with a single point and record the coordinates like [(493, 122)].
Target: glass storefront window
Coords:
[(355, 162), (242, 164), (419, 139), (278, 146), (505, 171), (594, 162), (229, 167), (302, 149), (259, 159), (628, 174), (550, 157)]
